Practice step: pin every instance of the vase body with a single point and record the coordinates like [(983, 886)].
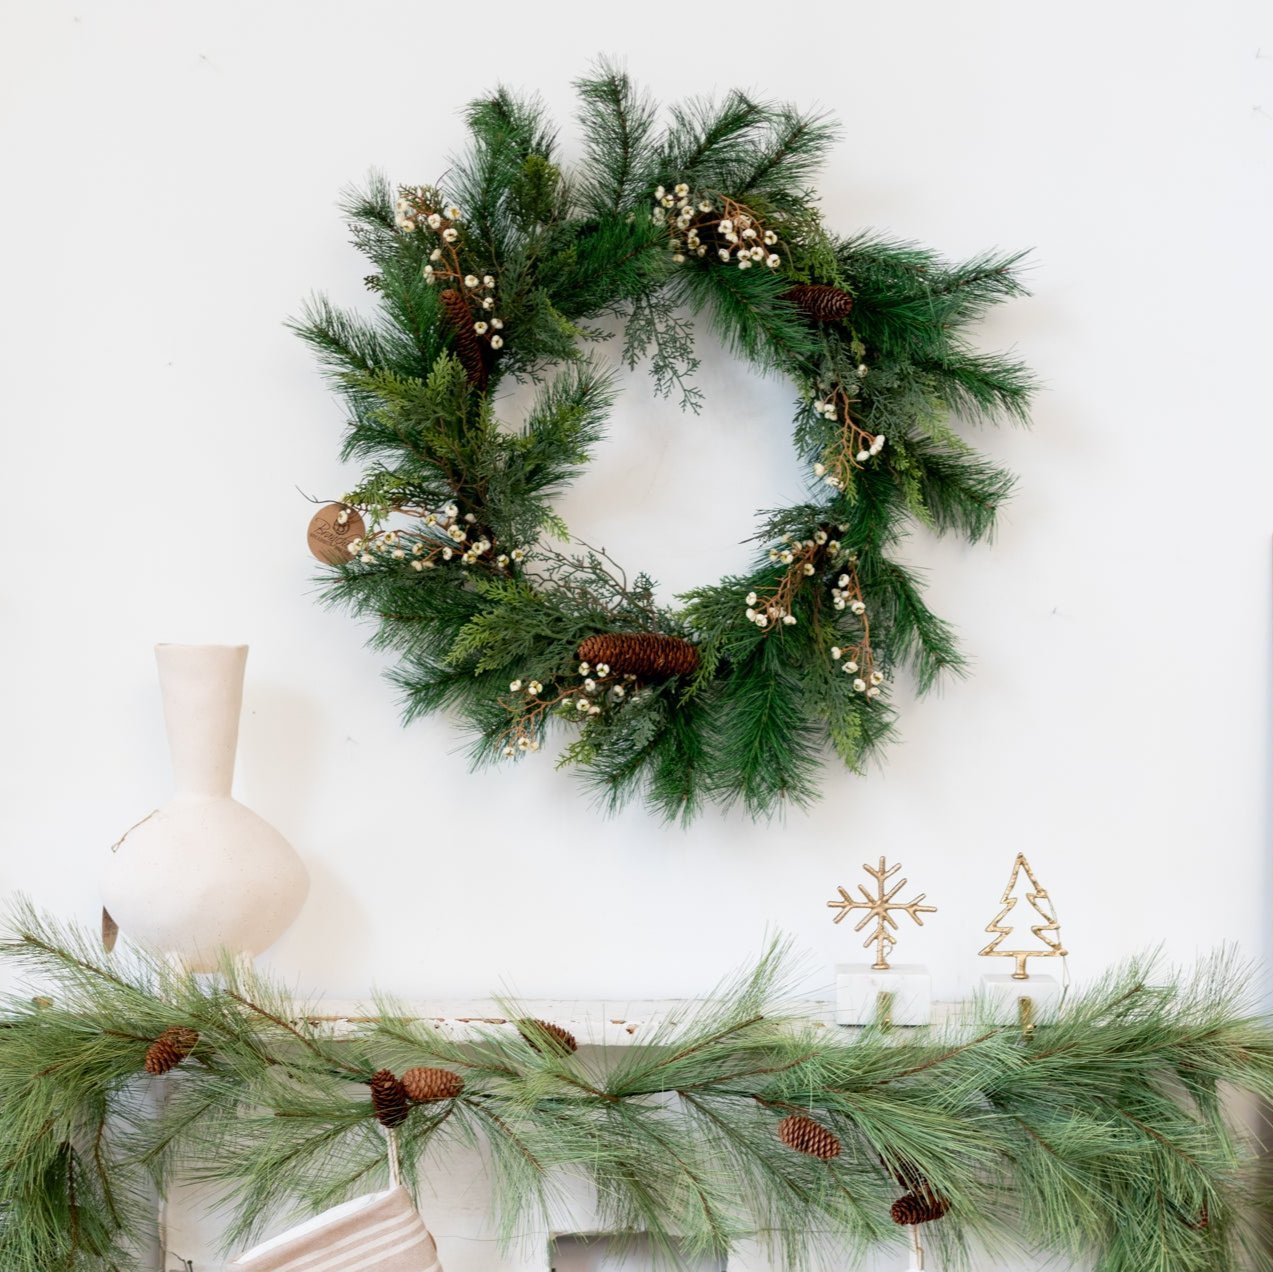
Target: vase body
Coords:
[(203, 874)]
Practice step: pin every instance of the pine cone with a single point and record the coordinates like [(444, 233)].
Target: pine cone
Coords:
[(646, 655), (806, 1136), (389, 1099), (170, 1049), (427, 1085), (469, 347), (544, 1037), (922, 1207), (821, 302)]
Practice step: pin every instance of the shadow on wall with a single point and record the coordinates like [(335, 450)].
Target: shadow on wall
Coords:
[(591, 1253), (279, 741)]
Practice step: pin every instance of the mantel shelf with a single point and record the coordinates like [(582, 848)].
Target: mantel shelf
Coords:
[(594, 1022)]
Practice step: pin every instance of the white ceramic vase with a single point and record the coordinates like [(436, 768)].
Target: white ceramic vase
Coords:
[(203, 874)]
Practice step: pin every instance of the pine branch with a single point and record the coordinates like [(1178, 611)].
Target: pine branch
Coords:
[(618, 125), (791, 156)]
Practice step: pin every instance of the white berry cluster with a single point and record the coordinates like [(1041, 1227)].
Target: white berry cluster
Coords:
[(869, 452), (522, 739), (798, 555), (443, 262), (459, 531), (425, 552), (677, 210), (686, 216), (869, 445), (844, 594), (597, 690), (769, 612), (404, 213), (748, 244), (793, 544), (411, 211), (873, 680), (481, 295)]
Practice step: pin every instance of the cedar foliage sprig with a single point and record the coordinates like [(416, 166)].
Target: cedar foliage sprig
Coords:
[(1101, 1137), (710, 215)]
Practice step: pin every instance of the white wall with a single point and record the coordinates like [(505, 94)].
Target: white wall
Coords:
[(170, 173)]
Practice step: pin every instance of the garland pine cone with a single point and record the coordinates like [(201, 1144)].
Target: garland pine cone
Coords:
[(543, 1037), (806, 1136), (170, 1049), (468, 345), (648, 656), (921, 1207), (426, 1085), (389, 1099), (820, 301)]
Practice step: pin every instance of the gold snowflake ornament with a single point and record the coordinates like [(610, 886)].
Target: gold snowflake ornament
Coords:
[(880, 908)]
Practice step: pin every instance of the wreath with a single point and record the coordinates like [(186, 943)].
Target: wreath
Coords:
[(509, 273)]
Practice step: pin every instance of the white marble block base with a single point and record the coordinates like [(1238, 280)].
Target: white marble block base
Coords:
[(859, 987), (1004, 996)]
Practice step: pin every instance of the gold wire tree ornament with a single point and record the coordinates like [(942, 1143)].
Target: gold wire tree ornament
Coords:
[(1049, 931), (879, 908)]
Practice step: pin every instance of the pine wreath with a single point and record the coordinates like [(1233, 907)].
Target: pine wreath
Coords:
[(732, 694)]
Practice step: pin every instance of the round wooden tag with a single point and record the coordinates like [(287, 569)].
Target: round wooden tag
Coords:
[(329, 536)]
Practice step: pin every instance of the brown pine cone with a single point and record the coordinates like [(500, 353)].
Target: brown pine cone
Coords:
[(427, 1085), (469, 347), (648, 656), (389, 1099), (820, 301), (921, 1207), (806, 1136), (170, 1049), (544, 1037)]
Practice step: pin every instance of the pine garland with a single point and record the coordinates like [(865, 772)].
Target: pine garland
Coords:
[(506, 276), (1101, 1138)]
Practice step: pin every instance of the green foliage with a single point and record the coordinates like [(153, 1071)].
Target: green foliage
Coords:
[(618, 125), (555, 258), (711, 144), (1100, 1138), (784, 162)]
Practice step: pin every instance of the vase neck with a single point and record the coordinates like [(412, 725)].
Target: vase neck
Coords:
[(202, 689)]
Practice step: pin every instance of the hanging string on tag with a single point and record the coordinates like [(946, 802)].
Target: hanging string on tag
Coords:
[(115, 847), (395, 1166), (917, 1250)]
